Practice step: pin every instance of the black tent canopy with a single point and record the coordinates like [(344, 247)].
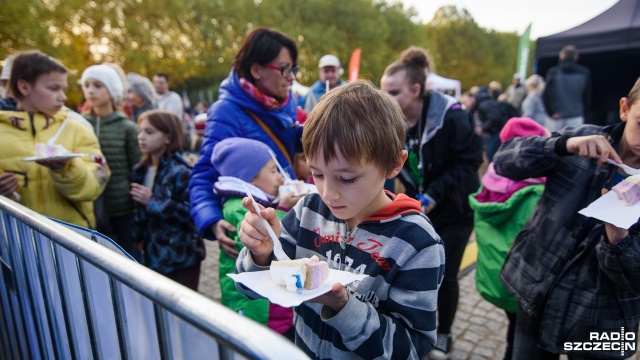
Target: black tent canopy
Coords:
[(609, 45)]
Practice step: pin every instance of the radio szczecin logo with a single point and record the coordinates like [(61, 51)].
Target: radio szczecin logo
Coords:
[(605, 341)]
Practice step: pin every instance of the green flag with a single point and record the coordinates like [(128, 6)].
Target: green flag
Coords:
[(524, 47)]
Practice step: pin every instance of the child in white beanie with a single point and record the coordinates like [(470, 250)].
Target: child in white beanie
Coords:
[(248, 162), (118, 136)]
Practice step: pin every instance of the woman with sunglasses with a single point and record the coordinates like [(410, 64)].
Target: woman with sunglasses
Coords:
[(255, 101)]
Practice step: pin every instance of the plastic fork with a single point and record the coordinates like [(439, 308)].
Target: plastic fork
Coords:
[(277, 246), (628, 169)]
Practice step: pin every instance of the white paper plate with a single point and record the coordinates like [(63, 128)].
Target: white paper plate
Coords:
[(609, 208), (261, 283), (57, 157)]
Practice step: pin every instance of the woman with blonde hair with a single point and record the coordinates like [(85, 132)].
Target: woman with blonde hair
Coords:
[(532, 106)]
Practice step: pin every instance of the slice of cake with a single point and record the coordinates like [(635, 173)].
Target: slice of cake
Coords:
[(317, 272), (628, 189), (302, 273), (290, 273), (45, 151)]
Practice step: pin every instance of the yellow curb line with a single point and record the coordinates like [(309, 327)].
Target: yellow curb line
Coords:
[(470, 256)]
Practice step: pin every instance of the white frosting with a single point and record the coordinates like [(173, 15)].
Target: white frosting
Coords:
[(296, 274), (44, 150), (289, 273)]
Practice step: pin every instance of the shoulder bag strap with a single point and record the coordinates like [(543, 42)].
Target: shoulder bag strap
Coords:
[(273, 137)]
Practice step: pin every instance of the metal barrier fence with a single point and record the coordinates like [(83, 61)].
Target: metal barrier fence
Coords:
[(63, 296)]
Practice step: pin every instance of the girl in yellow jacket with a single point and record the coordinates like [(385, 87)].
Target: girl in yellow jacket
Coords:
[(63, 189)]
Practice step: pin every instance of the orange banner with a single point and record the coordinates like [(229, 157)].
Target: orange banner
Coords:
[(354, 65)]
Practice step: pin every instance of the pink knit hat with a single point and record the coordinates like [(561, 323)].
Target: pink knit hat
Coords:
[(523, 126)]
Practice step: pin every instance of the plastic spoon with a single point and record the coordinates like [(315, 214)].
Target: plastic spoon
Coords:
[(285, 174), (277, 246), (628, 169)]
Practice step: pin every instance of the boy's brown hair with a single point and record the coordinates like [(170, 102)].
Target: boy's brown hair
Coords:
[(168, 123), (30, 64), (361, 122)]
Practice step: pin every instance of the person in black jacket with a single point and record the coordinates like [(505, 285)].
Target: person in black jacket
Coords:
[(441, 170), (567, 94), (492, 115)]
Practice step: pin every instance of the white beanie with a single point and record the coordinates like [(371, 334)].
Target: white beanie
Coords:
[(108, 77)]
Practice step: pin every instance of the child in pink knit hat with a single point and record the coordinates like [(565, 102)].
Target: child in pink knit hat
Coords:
[(499, 188), (501, 208), (523, 126)]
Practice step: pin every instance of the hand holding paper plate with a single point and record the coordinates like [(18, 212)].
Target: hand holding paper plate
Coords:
[(612, 210), (262, 283)]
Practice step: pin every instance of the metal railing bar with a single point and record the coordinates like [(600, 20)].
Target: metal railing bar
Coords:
[(161, 326), (19, 283), (116, 297), (87, 307), (64, 303), (8, 336), (46, 298)]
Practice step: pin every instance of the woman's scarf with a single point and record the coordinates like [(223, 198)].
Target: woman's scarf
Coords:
[(268, 101)]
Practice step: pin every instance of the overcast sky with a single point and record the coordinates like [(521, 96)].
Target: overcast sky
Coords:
[(546, 16)]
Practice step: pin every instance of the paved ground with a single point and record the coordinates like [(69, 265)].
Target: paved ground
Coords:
[(479, 329), (209, 285)]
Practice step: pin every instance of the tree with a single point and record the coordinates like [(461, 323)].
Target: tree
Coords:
[(465, 51), (195, 41)]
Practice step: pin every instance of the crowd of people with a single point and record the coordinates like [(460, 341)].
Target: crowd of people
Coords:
[(557, 274)]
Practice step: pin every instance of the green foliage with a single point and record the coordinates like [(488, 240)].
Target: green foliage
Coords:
[(195, 41), (463, 50)]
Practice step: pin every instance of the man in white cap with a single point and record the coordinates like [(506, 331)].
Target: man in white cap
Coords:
[(329, 70)]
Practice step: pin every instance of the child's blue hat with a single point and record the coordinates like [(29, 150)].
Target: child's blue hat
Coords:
[(240, 157)]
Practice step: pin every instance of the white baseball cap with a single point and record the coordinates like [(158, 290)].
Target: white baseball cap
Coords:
[(329, 60)]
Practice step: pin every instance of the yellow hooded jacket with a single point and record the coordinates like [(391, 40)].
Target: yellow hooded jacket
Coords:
[(66, 194)]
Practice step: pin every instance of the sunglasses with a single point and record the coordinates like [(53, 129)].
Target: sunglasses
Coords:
[(286, 71)]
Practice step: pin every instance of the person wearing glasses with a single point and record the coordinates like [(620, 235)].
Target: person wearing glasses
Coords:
[(256, 102)]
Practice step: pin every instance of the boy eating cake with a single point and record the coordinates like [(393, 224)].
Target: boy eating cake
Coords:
[(353, 141)]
